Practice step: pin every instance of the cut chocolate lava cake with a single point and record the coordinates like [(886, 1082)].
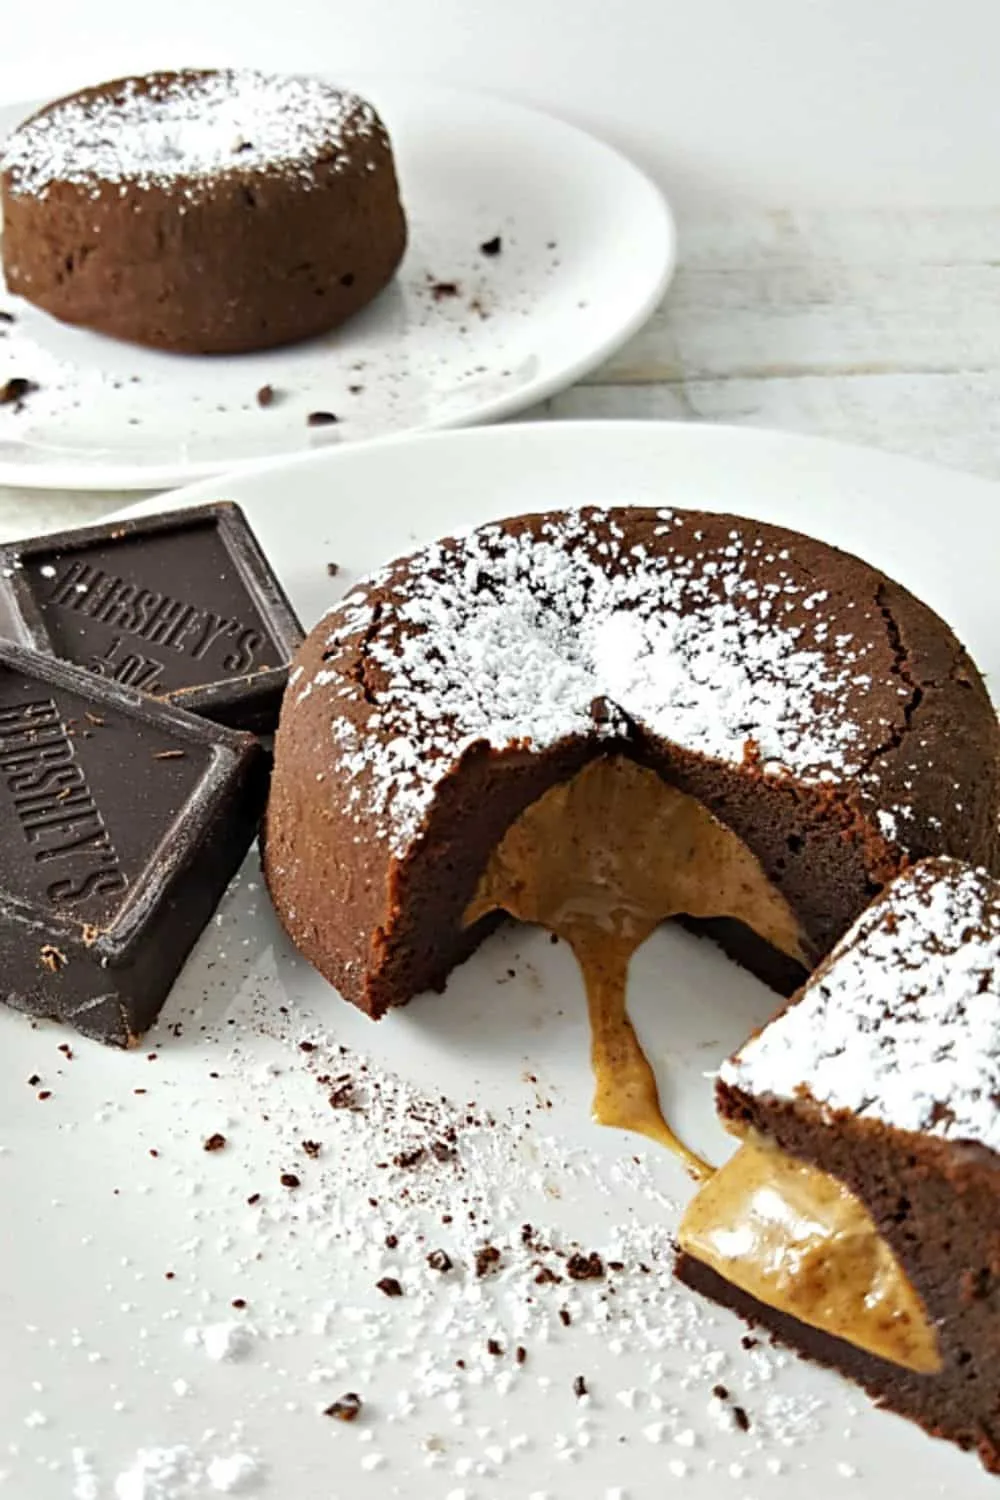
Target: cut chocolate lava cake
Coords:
[(860, 1219)]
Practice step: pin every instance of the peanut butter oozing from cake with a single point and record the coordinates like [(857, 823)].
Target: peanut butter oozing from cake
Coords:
[(602, 860), (796, 1239)]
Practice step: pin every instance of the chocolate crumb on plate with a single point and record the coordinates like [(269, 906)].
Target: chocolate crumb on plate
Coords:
[(14, 390), (581, 1267), (215, 1142), (442, 289), (311, 1148), (487, 1260), (491, 247), (439, 1260), (494, 1347), (289, 1180), (391, 1241), (520, 1354), (564, 1317), (389, 1286), (741, 1419), (332, 569), (266, 395), (347, 1409), (321, 419), (579, 1386)]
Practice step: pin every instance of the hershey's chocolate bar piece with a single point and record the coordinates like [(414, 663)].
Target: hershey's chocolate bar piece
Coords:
[(183, 606), (122, 821)]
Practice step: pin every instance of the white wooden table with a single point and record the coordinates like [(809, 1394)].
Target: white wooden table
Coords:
[(876, 327)]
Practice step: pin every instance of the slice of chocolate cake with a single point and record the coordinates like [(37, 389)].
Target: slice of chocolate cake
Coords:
[(860, 1219)]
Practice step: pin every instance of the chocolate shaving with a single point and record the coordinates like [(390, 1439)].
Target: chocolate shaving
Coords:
[(491, 247), (215, 1142), (321, 419), (346, 1409), (390, 1286)]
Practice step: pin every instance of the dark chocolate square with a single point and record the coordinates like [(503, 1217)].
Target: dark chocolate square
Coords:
[(122, 821), (183, 606)]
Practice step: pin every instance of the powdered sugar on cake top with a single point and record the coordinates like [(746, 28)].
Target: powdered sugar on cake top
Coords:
[(188, 126), (904, 1025), (532, 638)]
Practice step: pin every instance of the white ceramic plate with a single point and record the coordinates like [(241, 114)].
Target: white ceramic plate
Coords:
[(109, 1382), (587, 250)]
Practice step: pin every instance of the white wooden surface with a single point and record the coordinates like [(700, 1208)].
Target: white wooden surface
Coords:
[(880, 327)]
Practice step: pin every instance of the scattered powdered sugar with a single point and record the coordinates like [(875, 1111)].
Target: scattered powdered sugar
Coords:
[(903, 1026), (179, 1473), (533, 637), (222, 1341), (157, 130)]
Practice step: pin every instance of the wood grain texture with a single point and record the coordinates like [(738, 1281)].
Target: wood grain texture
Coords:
[(874, 327)]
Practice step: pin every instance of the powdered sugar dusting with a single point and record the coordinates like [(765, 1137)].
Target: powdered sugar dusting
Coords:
[(189, 126), (509, 638), (904, 1024)]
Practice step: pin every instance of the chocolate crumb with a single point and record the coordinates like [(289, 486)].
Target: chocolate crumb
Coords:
[(579, 1386), (442, 289), (307, 1046), (439, 1260), (741, 1419), (491, 247), (311, 1148), (342, 1096), (390, 1286), (494, 1347), (14, 390), (253, 1198), (239, 1303), (546, 1276), (6, 317), (289, 1180), (321, 419), (169, 1275), (487, 1260), (355, 390), (66, 1050), (748, 1341), (265, 396), (52, 958), (585, 1267), (391, 1241), (153, 1152), (215, 1142), (616, 1265), (564, 1317), (720, 1393), (408, 1159), (346, 1409), (34, 1081), (520, 1354), (332, 569), (45, 1093)]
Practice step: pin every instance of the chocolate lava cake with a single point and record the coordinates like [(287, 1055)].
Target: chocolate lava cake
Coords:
[(871, 1106), (809, 705), (206, 212)]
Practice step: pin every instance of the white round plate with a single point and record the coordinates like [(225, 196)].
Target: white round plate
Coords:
[(587, 248), (126, 1371)]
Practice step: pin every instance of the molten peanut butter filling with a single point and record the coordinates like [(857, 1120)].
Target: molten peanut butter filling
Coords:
[(797, 1240), (602, 860)]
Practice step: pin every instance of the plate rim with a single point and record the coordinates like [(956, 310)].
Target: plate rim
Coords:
[(586, 429), (66, 474)]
